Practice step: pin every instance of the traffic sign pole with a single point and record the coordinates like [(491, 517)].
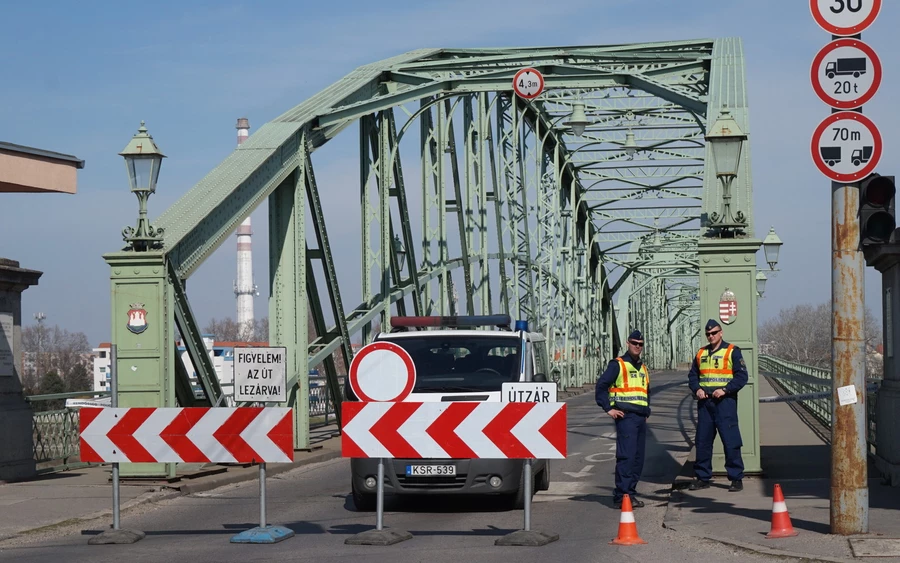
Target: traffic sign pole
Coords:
[(846, 148), (381, 372)]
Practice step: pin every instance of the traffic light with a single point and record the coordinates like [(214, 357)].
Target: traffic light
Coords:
[(876, 210)]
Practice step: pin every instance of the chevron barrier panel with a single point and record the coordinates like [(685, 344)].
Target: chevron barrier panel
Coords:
[(190, 435), (459, 430)]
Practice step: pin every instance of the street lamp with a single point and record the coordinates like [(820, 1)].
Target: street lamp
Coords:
[(578, 121), (630, 146), (760, 283), (726, 141), (771, 246), (399, 250), (142, 161)]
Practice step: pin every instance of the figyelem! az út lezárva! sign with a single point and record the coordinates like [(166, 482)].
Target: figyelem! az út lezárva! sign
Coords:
[(260, 375)]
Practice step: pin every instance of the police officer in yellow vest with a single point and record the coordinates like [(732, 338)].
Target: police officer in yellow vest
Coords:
[(623, 391), (717, 374)]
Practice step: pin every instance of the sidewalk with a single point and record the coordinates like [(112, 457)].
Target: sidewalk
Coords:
[(64, 499), (794, 456)]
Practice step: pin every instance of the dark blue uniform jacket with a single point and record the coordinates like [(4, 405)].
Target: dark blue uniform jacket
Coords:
[(738, 369), (608, 379)]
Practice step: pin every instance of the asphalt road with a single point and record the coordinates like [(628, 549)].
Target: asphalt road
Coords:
[(314, 501)]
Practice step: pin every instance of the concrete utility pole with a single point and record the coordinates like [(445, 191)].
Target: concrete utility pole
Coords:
[(849, 487)]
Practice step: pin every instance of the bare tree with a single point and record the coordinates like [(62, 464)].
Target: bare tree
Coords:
[(802, 334), (229, 330), (52, 349)]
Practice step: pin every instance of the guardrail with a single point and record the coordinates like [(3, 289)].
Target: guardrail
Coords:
[(55, 428), (321, 408), (811, 387)]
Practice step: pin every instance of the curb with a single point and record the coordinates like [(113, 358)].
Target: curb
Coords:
[(774, 552), (671, 522)]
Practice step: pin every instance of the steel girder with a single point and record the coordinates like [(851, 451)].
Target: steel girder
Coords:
[(517, 214)]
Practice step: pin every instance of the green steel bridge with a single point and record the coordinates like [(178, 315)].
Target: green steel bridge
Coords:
[(592, 210)]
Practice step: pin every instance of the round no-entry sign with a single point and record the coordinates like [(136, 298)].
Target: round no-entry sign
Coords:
[(844, 17), (846, 73), (846, 146), (528, 83), (382, 371)]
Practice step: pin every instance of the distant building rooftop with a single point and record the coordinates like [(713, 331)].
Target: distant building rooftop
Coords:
[(28, 169)]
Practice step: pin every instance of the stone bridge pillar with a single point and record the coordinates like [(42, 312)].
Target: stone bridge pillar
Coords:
[(16, 419)]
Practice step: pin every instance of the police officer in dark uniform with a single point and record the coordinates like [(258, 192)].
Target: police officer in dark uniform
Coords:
[(623, 391), (717, 374)]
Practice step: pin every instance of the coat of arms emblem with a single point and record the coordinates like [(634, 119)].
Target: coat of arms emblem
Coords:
[(137, 318), (728, 307)]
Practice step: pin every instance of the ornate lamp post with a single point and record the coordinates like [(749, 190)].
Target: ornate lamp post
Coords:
[(726, 141), (142, 160), (729, 287), (771, 247), (760, 283), (400, 251)]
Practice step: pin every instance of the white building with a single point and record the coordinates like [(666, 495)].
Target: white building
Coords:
[(101, 366)]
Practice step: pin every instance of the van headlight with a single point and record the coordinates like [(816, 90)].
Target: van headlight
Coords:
[(370, 482)]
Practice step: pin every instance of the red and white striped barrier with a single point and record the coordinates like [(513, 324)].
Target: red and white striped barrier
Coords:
[(454, 430), (191, 435)]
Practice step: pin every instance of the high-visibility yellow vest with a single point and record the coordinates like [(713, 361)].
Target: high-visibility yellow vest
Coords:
[(716, 367), (631, 386)]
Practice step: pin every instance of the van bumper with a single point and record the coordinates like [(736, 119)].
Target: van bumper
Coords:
[(472, 476)]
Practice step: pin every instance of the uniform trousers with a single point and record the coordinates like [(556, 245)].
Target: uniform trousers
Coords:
[(631, 436), (718, 415)]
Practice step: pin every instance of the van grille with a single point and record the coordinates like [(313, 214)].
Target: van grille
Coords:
[(439, 482)]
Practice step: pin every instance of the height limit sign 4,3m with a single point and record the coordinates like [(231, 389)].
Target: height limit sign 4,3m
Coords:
[(528, 83), (260, 375)]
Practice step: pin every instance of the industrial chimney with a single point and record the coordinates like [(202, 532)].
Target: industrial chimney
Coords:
[(244, 288)]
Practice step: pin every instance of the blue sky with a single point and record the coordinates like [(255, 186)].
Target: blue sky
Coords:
[(78, 78)]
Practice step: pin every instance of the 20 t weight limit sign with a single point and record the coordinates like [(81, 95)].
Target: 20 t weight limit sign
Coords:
[(260, 375)]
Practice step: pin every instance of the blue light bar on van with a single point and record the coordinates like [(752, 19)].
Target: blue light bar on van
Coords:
[(452, 322)]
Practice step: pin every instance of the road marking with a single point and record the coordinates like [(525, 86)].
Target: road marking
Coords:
[(600, 457), (583, 473), (565, 490)]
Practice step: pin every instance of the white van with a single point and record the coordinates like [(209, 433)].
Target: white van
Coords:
[(457, 362)]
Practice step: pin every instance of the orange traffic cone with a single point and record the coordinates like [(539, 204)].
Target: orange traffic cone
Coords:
[(628, 534), (781, 520)]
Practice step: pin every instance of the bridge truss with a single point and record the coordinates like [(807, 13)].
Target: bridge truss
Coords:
[(474, 201)]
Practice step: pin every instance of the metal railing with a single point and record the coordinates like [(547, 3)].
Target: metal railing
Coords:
[(321, 407), (811, 387), (55, 429)]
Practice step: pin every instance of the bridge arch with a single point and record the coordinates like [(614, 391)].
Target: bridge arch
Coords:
[(517, 214)]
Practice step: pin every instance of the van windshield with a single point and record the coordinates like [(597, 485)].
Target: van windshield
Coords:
[(448, 363)]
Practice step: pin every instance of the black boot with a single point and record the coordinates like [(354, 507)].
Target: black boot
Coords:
[(698, 484)]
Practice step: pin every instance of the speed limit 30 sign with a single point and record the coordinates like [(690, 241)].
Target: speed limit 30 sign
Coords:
[(844, 17)]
